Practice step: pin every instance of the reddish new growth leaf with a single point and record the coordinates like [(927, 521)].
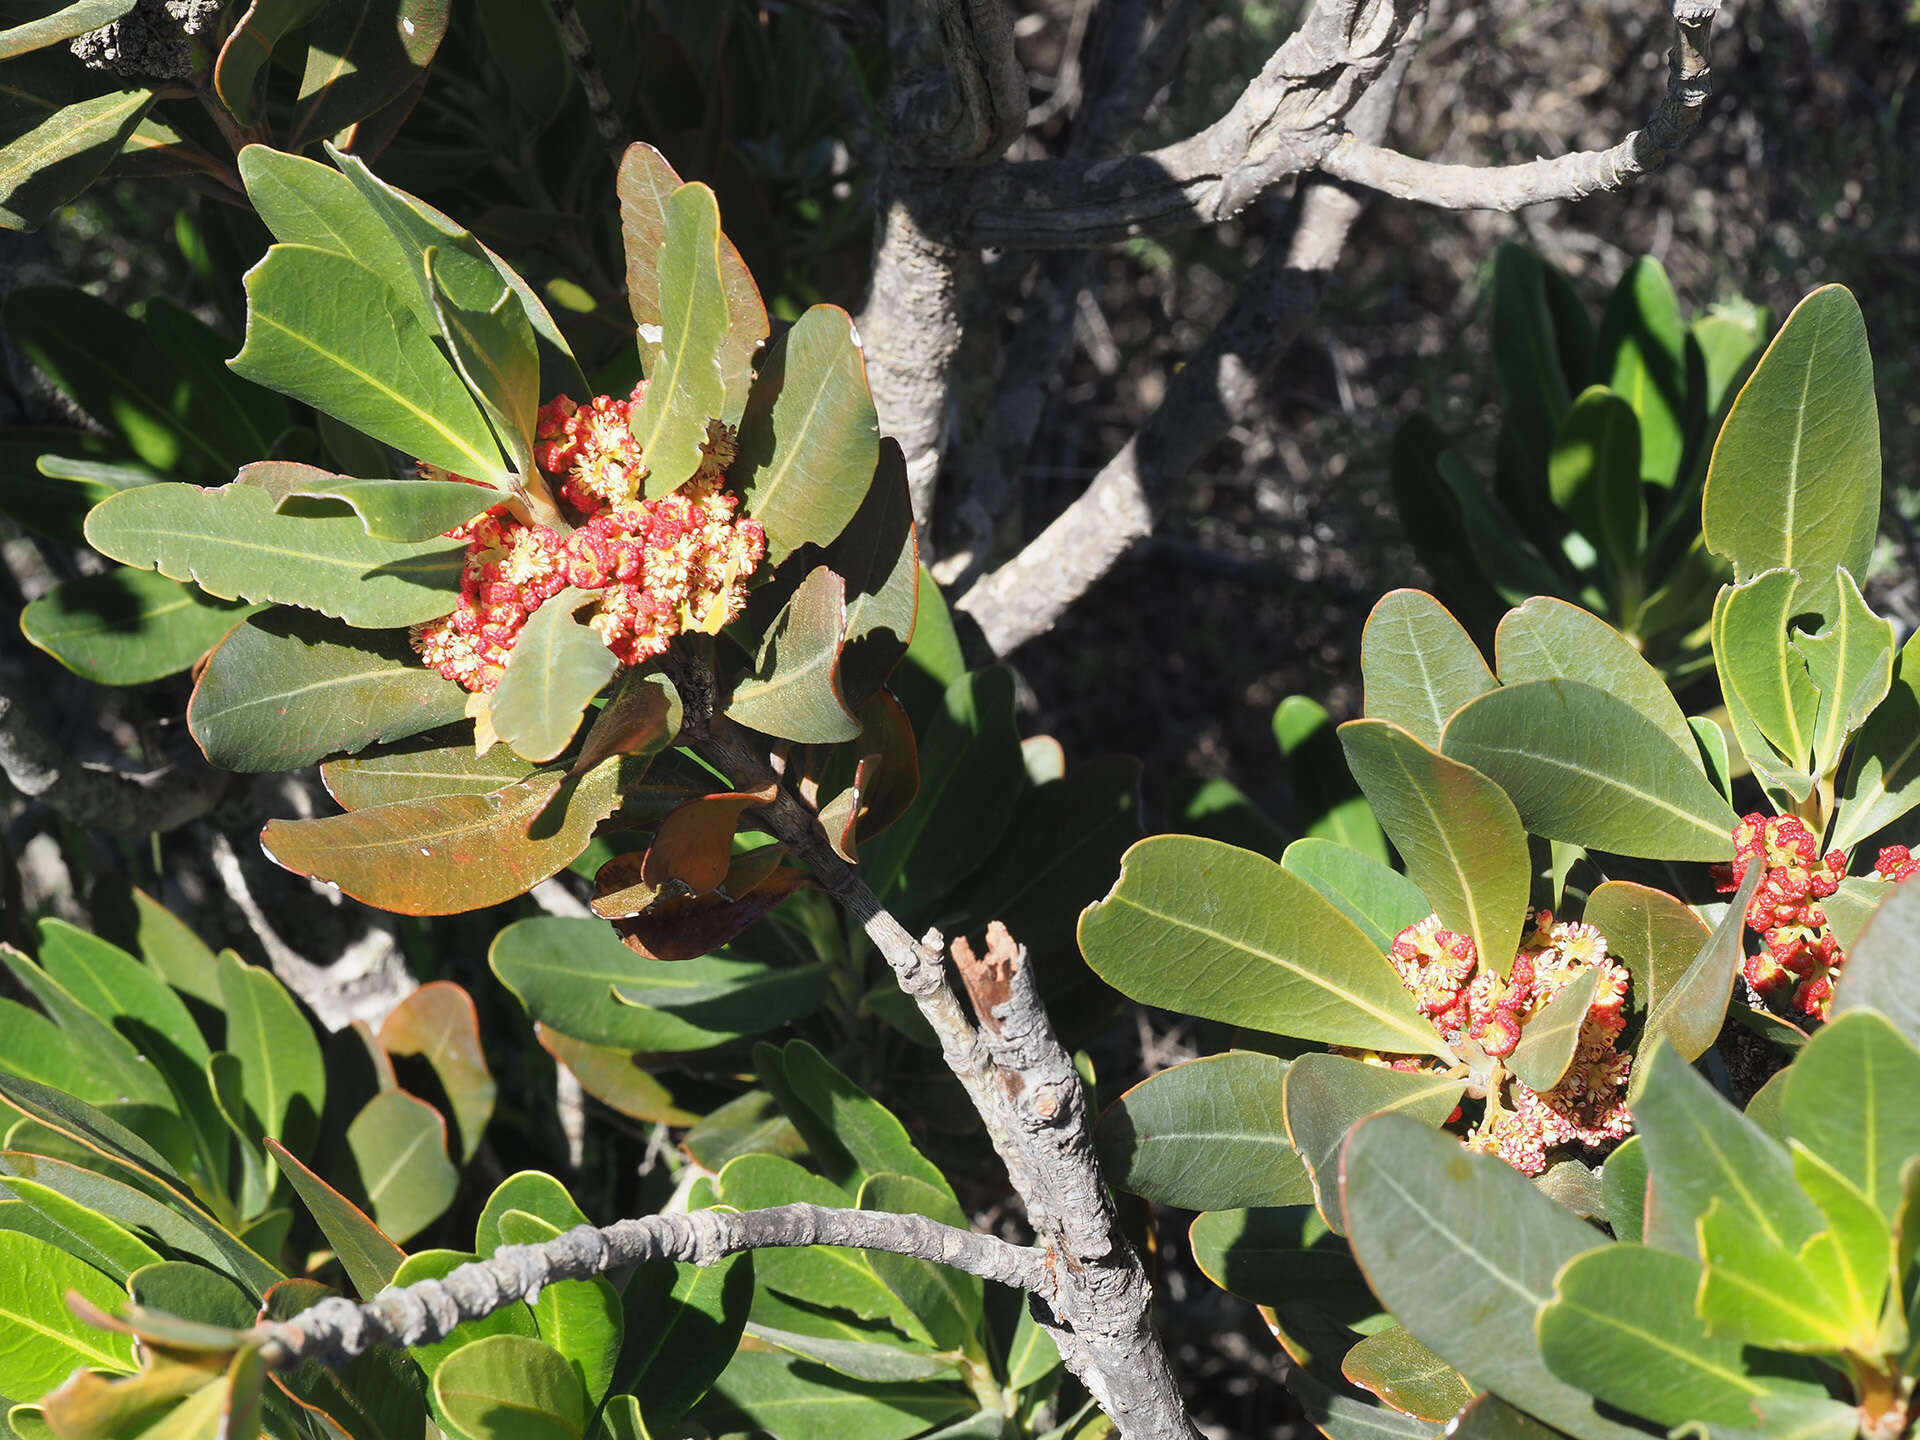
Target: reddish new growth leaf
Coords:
[(661, 566), (1799, 956)]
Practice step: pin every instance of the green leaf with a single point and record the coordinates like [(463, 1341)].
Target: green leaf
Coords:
[(1325, 1096), (945, 1300), (684, 1322), (1546, 1046), (240, 72), (1852, 1254), (1206, 1135), (50, 494), (809, 438), (1698, 1148), (1764, 678), (1795, 478), (564, 972), (1623, 1189), (1757, 1291), (116, 988), (1882, 778), (1594, 477), (46, 1340), (1324, 792), (127, 627), (1228, 935), (531, 1192), (99, 1240), (1712, 741), (1584, 766), (173, 950), (327, 331), (404, 510), (1851, 664), (1456, 829), (494, 349), (1535, 388), (878, 556), (1622, 1326), (1220, 810), (233, 543), (821, 1275), (1380, 900), (1654, 935), (399, 1145), (1845, 1102), (1643, 358), (557, 665), (686, 389), (55, 141), (510, 1319), (796, 1400), (61, 24), (860, 1360), (1032, 1354), (399, 773), (116, 370), (645, 183), (1463, 1251), (579, 1318), (970, 762), (1272, 1257), (1727, 338), (871, 1134), (439, 1022), (192, 1292), (507, 1387), (304, 202), (1547, 639), (1407, 1375), (285, 689), (794, 691), (369, 1257), (133, 1077), (1418, 664), (454, 853), (361, 56), (1882, 963), (283, 1076), (1341, 1417), (1689, 1012)]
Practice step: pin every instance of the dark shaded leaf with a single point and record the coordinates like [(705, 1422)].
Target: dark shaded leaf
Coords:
[(127, 627)]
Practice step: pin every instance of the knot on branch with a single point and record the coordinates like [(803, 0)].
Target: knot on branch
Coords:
[(154, 39)]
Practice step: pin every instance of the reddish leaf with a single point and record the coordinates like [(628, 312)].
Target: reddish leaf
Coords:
[(439, 1023), (686, 927), (640, 718), (893, 778), (453, 853), (614, 1077), (694, 844), (644, 183), (364, 1251)]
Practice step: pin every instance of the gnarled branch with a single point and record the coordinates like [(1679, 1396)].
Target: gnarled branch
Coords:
[(124, 801), (337, 1329), (1565, 177)]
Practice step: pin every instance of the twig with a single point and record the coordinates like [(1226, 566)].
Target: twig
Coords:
[(1565, 177), (124, 801), (337, 1329), (578, 44), (1023, 1086), (1221, 383)]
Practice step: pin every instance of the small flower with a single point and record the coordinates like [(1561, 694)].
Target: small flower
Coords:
[(1799, 955), (1896, 863)]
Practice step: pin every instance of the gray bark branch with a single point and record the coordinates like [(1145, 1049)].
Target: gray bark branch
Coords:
[(1022, 1083), (124, 801), (337, 1329), (1565, 177), (1221, 383)]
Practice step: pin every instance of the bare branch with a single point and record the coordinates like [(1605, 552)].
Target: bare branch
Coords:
[(1027, 1094), (966, 106), (337, 1329), (124, 801), (1284, 123), (578, 45), (1218, 386), (1565, 177)]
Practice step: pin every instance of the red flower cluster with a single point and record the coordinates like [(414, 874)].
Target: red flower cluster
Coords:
[(1475, 1007), (1799, 954), (1896, 863), (661, 566)]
